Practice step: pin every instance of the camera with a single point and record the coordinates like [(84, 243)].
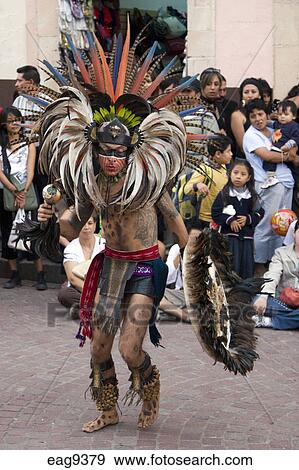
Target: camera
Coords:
[(274, 106)]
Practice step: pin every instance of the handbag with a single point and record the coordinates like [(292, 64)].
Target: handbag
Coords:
[(17, 179), (80, 270), (290, 296), (13, 241)]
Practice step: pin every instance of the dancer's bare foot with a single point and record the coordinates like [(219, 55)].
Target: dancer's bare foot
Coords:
[(149, 413), (107, 418)]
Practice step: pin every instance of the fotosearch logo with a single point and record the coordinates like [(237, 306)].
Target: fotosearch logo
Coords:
[(143, 315)]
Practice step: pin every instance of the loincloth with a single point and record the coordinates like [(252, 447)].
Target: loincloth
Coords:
[(118, 278), (120, 273)]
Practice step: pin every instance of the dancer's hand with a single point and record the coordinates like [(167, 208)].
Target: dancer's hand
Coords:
[(45, 212)]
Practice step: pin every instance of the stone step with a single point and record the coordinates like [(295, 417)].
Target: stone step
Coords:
[(53, 271)]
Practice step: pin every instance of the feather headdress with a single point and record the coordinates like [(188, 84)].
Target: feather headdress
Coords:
[(107, 102)]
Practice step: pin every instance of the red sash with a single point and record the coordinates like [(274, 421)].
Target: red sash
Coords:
[(92, 279)]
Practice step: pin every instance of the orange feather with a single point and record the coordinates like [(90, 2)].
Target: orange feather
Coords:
[(106, 72), (96, 65), (197, 136), (123, 64), (79, 61), (143, 69)]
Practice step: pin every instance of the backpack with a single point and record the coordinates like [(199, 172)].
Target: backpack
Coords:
[(187, 206)]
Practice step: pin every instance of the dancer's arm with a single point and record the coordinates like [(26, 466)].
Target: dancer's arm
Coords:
[(173, 220), (69, 223)]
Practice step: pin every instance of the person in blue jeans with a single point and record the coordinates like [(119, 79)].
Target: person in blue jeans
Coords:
[(284, 137), (283, 272), (257, 147)]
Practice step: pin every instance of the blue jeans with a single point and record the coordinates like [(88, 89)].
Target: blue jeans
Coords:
[(283, 317), (265, 240)]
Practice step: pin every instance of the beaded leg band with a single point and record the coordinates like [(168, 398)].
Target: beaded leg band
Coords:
[(104, 391), (143, 387)]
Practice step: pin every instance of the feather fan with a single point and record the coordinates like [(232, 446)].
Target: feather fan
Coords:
[(219, 303)]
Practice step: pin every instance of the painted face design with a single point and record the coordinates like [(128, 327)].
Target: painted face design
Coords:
[(112, 166), (112, 158)]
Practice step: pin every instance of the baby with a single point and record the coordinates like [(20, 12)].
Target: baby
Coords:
[(284, 137)]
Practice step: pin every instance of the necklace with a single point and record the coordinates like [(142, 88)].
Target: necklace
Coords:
[(113, 179)]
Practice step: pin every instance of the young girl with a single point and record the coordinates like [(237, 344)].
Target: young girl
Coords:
[(235, 210), (15, 158)]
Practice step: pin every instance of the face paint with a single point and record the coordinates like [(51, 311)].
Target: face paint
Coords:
[(112, 166)]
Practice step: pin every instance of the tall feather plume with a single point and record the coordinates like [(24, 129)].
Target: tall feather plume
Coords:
[(106, 72), (149, 91), (49, 74), (59, 78), (111, 54), (74, 81), (144, 68), (131, 58), (89, 66), (66, 154), (131, 77), (117, 59), (155, 65), (162, 101), (39, 101), (98, 73), (123, 63), (79, 61)]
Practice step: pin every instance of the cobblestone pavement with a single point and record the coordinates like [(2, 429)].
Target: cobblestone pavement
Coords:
[(44, 375)]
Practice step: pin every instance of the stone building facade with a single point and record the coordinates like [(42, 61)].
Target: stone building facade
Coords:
[(246, 38), (242, 38)]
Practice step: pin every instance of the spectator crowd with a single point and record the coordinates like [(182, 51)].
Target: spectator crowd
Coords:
[(248, 169)]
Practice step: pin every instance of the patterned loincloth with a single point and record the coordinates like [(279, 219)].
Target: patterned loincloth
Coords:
[(119, 273), (117, 279)]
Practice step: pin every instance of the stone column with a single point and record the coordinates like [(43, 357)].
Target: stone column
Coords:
[(286, 46), (232, 35), (201, 39), (28, 32), (42, 32)]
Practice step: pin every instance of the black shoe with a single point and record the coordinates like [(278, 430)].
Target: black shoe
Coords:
[(40, 281), (14, 281), (163, 316)]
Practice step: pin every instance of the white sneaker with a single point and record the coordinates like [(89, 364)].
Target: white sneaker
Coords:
[(270, 181), (262, 322)]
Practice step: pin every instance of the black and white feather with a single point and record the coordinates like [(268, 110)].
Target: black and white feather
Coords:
[(219, 302)]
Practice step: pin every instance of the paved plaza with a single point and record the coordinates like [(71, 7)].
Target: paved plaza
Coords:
[(44, 375)]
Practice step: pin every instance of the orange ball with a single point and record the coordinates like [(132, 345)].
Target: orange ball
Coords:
[(281, 221)]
